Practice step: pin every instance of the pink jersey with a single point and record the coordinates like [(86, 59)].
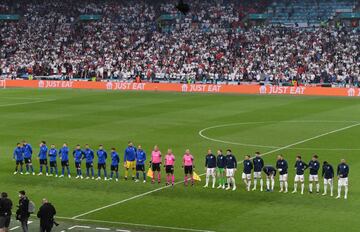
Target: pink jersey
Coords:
[(170, 159), (188, 160), (156, 157)]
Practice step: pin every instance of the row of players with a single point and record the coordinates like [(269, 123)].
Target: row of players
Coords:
[(221, 166)]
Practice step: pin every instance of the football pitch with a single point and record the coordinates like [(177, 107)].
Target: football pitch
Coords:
[(272, 125)]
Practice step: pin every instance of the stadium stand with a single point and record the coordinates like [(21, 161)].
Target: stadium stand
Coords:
[(213, 43)]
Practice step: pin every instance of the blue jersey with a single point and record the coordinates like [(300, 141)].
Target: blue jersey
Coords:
[(27, 149), (115, 159), (89, 155), (221, 161), (130, 154), (102, 155), (300, 167), (327, 171), (258, 164), (18, 154), (343, 170), (52, 154), (140, 157), (231, 161), (78, 155), (64, 154), (283, 165), (248, 166), (210, 161), (314, 167), (43, 152), (269, 170)]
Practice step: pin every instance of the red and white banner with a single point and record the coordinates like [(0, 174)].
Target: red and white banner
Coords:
[(188, 88)]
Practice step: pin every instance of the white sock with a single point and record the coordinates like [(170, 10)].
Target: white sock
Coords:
[(233, 181), (310, 187), (261, 184), (249, 184), (346, 191), (339, 191), (214, 181), (317, 187), (228, 182), (286, 186), (302, 187), (207, 180), (272, 184), (267, 184), (325, 188), (295, 186), (255, 182), (331, 188), (281, 185), (245, 181)]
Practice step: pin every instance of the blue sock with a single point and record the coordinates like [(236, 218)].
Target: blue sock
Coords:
[(117, 175), (32, 168), (62, 171), (144, 174), (105, 173), (51, 170), (68, 170), (98, 172), (80, 172), (21, 168), (47, 169), (41, 168), (111, 175), (137, 175), (27, 168), (92, 172), (87, 172), (56, 170)]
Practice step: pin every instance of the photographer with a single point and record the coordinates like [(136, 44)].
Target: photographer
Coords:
[(46, 214), (22, 214), (5, 212)]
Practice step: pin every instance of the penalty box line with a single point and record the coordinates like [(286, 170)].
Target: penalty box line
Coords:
[(179, 182)]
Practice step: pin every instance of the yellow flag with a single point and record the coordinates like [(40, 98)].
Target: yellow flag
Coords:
[(150, 173), (196, 176)]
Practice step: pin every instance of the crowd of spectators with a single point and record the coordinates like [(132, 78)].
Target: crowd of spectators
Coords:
[(211, 43)]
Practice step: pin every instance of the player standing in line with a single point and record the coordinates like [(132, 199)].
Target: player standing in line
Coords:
[(140, 163), (282, 167), (18, 156), (343, 173), (129, 160), (155, 164), (89, 157), (102, 156), (189, 166), (328, 174), (258, 166), (270, 172), (314, 167), (169, 167), (230, 165), (220, 168), (246, 175), (43, 158), (78, 156), (53, 164), (210, 167), (64, 157), (115, 160), (300, 167), (27, 149)]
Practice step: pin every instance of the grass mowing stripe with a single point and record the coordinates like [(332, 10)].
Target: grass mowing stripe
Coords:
[(26, 103), (179, 182)]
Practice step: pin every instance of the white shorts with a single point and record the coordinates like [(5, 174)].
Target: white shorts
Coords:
[(283, 177), (246, 176), (230, 172), (299, 178), (210, 172), (314, 178), (328, 181), (257, 175), (343, 181)]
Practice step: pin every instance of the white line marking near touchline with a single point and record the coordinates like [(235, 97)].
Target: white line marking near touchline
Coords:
[(137, 225), (266, 153), (26, 103)]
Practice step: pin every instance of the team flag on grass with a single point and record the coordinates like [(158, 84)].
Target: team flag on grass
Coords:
[(196, 177), (150, 173)]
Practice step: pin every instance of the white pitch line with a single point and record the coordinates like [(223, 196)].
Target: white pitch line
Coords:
[(138, 225), (123, 230), (26, 103), (101, 228), (14, 228), (201, 133), (179, 182), (76, 226)]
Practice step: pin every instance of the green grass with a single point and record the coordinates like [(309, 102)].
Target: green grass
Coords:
[(174, 120)]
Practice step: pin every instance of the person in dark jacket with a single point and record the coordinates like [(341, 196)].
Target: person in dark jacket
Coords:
[(22, 214), (5, 212), (46, 214)]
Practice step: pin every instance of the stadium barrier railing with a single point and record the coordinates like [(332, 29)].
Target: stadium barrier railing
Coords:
[(186, 88)]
